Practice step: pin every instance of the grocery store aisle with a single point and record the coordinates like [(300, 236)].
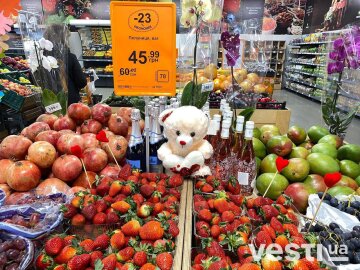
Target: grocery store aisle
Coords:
[(307, 113)]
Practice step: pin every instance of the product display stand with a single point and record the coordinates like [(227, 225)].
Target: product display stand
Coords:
[(186, 257)]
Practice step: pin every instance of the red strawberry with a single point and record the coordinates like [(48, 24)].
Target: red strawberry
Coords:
[(262, 238), (125, 254), (122, 206), (151, 230), (54, 245), (109, 262), (281, 208), (94, 256), (69, 239), (220, 203), (282, 241), (125, 172), (164, 261), (213, 248), (222, 264), (101, 205), (175, 180), (284, 200), (147, 190), (144, 211), (199, 258), (215, 231), (60, 267), (79, 262), (227, 216), (259, 201), (78, 220), (117, 240), (43, 261), (311, 263), (250, 203), (140, 258), (89, 211), (277, 226), (101, 242), (298, 240), (292, 229), (103, 188), (131, 228), (233, 185), (299, 265), (269, 262), (87, 245), (173, 228), (99, 218), (243, 252), (253, 215), (112, 218), (205, 215), (200, 205), (65, 255), (269, 230), (206, 188), (198, 198), (69, 210), (268, 211)]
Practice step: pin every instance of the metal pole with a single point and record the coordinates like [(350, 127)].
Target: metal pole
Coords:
[(147, 133)]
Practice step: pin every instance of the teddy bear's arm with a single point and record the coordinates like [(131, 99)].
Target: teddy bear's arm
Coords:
[(206, 149), (168, 158)]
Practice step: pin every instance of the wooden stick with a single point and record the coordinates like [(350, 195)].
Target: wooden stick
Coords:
[(317, 209), (113, 156), (272, 180), (87, 176)]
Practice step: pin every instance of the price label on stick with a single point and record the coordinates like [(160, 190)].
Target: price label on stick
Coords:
[(53, 108), (144, 48)]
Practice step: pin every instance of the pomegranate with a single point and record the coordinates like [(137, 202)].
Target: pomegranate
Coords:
[(79, 112), (14, 147), (4, 164), (43, 154), (48, 119), (64, 122), (118, 145), (118, 125), (90, 140), (111, 170), (74, 190), (23, 175), (109, 133), (66, 131), (52, 186), (101, 113), (67, 167), (91, 126), (125, 112), (6, 189), (95, 159), (50, 136), (67, 141), (34, 129), (17, 196), (82, 180)]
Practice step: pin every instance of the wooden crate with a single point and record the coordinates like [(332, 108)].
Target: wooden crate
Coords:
[(186, 260), (177, 264), (280, 118)]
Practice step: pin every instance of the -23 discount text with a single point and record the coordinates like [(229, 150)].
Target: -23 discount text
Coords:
[(144, 48)]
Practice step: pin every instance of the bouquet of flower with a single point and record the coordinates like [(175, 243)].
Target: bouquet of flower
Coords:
[(345, 54)]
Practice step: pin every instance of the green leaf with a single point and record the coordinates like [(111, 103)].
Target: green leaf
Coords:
[(247, 113), (99, 265), (48, 97), (187, 94), (62, 98)]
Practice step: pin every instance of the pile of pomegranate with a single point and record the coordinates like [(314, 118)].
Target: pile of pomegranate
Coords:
[(40, 157)]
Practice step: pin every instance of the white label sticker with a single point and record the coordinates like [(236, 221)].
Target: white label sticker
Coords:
[(207, 87), (243, 178), (53, 108)]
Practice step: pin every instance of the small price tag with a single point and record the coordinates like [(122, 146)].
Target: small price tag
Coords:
[(243, 178), (207, 87), (53, 108)]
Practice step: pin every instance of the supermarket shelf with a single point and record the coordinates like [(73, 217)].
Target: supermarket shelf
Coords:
[(308, 84), (342, 93), (308, 64), (315, 98), (312, 74), (95, 60), (16, 71), (309, 53), (309, 43)]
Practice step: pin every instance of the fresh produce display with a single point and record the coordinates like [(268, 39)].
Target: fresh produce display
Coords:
[(17, 63), (15, 252), (13, 86)]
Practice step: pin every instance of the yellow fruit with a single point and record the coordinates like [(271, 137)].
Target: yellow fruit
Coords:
[(221, 77), (210, 71), (217, 84), (253, 77)]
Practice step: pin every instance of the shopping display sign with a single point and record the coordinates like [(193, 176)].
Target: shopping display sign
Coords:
[(144, 48)]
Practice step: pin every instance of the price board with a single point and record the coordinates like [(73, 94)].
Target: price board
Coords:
[(143, 48)]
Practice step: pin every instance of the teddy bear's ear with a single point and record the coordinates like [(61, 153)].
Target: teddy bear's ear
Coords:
[(164, 115)]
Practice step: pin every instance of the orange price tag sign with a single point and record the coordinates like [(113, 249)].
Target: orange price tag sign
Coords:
[(143, 48)]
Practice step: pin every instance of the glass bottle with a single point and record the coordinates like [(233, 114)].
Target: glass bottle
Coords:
[(221, 161), (238, 136), (136, 152), (156, 140), (245, 164), (214, 140), (162, 103)]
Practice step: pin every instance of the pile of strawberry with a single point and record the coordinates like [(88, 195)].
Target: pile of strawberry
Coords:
[(142, 211), (108, 251), (133, 195)]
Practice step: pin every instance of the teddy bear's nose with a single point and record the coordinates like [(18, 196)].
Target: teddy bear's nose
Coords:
[(182, 142)]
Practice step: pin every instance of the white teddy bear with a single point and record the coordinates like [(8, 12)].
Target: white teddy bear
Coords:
[(186, 150)]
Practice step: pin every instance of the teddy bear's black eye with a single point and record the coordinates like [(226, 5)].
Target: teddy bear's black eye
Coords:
[(192, 134), (178, 132)]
